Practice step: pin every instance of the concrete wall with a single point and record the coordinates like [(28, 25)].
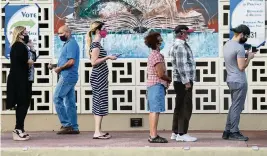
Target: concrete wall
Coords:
[(121, 122)]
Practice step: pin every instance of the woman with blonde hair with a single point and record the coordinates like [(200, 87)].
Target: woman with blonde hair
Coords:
[(18, 83), (99, 76)]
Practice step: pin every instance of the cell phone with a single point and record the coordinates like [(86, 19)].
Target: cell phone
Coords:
[(254, 49), (53, 66), (118, 55)]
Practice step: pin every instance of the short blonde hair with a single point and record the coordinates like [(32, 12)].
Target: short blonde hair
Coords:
[(16, 32)]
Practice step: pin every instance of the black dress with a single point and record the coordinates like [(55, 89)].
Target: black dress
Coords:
[(18, 88)]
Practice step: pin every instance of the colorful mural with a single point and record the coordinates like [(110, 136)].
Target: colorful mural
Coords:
[(128, 21), (63, 9)]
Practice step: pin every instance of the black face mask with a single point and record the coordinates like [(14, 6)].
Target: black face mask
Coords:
[(26, 39), (243, 40), (63, 38)]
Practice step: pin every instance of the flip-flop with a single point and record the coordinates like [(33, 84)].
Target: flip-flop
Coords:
[(105, 136)]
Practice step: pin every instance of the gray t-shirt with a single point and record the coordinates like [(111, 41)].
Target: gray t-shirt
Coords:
[(231, 51)]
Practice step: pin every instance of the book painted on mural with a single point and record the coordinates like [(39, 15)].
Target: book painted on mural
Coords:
[(128, 21)]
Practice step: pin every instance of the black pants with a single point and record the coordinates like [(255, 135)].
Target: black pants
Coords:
[(183, 108), (22, 109)]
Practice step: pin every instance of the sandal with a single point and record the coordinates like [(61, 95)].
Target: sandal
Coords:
[(157, 139), (18, 135), (26, 134), (105, 136)]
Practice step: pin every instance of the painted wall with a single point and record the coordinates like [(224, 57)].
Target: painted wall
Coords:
[(129, 21)]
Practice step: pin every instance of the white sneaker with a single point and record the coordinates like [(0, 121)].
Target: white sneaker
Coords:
[(173, 136), (185, 138)]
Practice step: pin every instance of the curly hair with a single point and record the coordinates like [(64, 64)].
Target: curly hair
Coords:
[(151, 40)]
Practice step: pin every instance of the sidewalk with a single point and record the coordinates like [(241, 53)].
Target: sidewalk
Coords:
[(130, 139)]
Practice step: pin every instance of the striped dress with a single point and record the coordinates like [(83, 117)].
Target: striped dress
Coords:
[(99, 83)]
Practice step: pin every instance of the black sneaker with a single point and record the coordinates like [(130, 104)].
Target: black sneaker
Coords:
[(157, 139), (238, 136), (226, 135)]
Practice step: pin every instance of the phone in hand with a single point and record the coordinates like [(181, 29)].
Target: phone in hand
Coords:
[(53, 66), (254, 49), (117, 55)]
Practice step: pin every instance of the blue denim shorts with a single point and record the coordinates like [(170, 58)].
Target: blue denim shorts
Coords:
[(156, 98)]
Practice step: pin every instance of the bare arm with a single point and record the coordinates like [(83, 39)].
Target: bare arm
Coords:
[(68, 64), (160, 69), (94, 57), (242, 61)]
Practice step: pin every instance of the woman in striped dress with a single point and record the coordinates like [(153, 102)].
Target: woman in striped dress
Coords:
[(99, 76)]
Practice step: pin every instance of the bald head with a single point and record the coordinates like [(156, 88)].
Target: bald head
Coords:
[(64, 33), (64, 28)]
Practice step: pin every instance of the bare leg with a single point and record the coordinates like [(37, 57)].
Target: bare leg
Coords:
[(153, 124), (98, 122)]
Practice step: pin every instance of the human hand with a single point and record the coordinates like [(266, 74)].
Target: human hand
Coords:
[(58, 70), (169, 82), (251, 55), (50, 67), (112, 57), (187, 86), (30, 44), (30, 62), (168, 85)]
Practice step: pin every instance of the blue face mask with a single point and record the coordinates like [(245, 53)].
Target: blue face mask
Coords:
[(162, 45)]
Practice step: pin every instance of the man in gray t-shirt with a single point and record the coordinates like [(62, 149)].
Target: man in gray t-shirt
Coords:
[(236, 62), (233, 50)]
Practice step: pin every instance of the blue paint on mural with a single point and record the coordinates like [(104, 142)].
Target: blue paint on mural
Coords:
[(80, 38), (129, 21), (204, 45)]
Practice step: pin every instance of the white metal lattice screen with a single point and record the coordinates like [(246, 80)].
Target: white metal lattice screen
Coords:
[(128, 76)]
